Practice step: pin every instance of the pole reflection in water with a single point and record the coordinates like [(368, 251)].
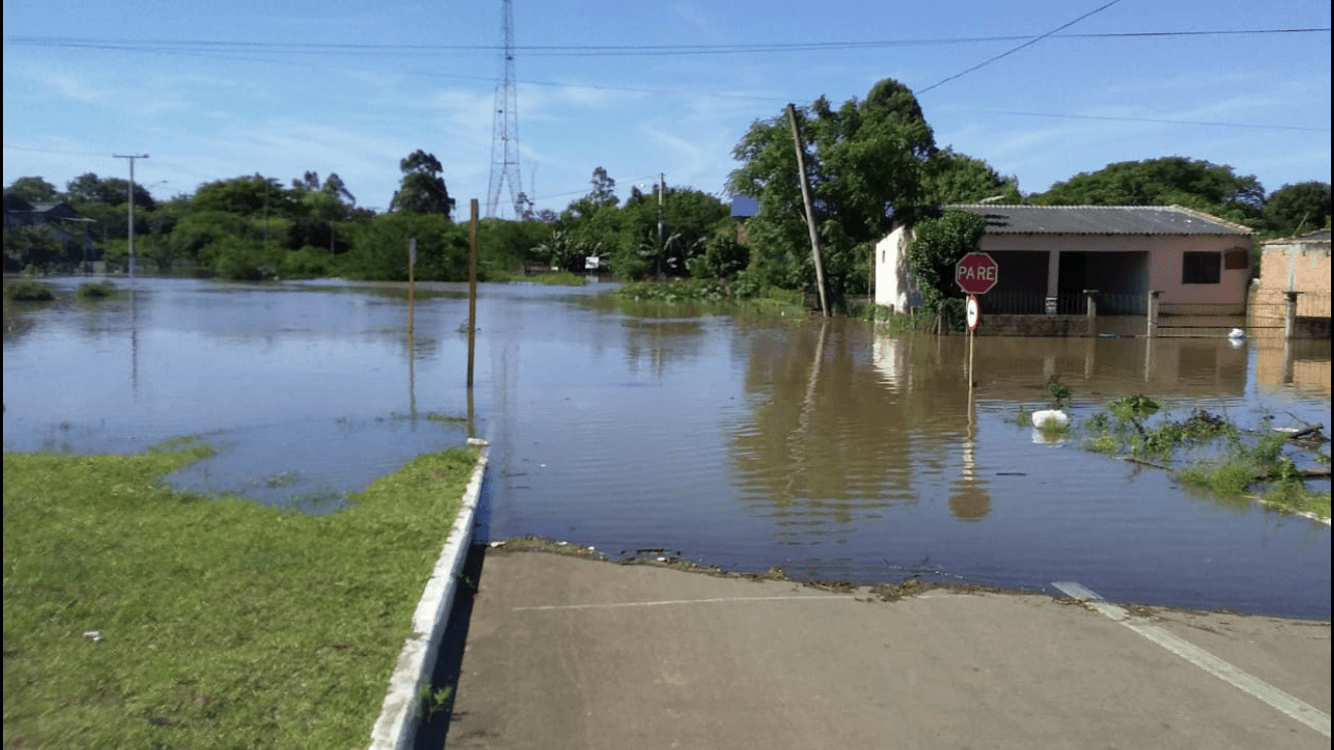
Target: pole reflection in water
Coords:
[(134, 340), (969, 500)]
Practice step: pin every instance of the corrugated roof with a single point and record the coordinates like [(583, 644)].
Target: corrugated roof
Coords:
[(1319, 235), (1101, 220)]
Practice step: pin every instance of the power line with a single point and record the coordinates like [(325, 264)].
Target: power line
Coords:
[(1157, 120), (1009, 52), (202, 46)]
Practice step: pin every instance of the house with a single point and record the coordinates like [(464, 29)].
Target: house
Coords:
[(1296, 268), (1053, 259), (59, 220)]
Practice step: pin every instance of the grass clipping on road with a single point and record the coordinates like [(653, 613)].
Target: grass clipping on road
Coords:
[(139, 616)]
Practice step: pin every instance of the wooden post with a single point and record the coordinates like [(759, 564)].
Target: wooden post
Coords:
[(810, 214), (472, 289), (412, 283)]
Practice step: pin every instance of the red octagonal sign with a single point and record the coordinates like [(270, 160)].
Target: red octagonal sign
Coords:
[(976, 273)]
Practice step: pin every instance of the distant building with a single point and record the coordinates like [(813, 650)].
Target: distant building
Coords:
[(1299, 266), (57, 218), (1050, 255)]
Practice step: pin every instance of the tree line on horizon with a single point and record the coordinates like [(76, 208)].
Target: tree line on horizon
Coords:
[(870, 163)]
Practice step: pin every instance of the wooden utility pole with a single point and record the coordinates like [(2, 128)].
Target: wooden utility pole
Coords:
[(810, 214), (472, 289), (412, 283)]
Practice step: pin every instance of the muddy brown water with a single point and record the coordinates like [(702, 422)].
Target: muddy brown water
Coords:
[(829, 449)]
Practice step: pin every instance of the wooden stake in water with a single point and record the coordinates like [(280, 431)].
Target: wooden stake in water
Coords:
[(412, 283), (472, 289)]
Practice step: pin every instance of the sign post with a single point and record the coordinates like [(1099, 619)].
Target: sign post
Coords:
[(976, 273), (974, 316)]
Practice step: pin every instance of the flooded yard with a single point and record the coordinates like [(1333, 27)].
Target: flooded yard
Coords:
[(823, 447)]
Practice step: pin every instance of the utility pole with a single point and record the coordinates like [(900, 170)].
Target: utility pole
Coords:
[(131, 158), (662, 188), (810, 213)]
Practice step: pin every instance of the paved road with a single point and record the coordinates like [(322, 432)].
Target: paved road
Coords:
[(565, 652)]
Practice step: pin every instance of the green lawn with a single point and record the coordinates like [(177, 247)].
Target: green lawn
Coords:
[(224, 624)]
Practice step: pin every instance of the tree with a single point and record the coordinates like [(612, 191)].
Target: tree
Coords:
[(938, 244), (33, 190), (866, 163), (1298, 208), (952, 177), (246, 196), (422, 190), (1213, 188), (113, 191)]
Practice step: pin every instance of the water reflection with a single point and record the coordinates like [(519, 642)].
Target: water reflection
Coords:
[(820, 446)]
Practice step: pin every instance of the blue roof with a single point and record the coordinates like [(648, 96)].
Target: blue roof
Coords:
[(744, 207)]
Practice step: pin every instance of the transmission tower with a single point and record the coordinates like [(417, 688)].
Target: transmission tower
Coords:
[(505, 128)]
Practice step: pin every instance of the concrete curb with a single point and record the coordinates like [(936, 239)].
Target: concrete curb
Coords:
[(396, 729)]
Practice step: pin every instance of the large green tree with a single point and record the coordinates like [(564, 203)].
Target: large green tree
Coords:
[(866, 163), (113, 191), (33, 190), (1202, 185), (1302, 207), (952, 177), (422, 190)]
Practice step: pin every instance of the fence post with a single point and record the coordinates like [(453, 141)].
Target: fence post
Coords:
[(1091, 310), (1153, 314)]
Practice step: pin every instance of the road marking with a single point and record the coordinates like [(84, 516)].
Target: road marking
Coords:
[(1297, 709), (814, 598)]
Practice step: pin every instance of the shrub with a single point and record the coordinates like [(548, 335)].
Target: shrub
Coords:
[(28, 291)]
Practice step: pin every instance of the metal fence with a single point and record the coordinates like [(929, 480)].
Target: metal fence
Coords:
[(1068, 303)]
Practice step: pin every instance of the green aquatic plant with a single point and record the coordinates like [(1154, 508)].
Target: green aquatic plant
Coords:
[(96, 290), (28, 291)]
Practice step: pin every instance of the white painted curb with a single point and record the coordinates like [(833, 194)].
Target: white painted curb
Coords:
[(396, 729)]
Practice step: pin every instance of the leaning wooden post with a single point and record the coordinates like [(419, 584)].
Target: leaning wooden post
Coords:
[(810, 214), (472, 289)]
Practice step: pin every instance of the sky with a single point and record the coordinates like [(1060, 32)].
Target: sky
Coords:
[(1040, 89)]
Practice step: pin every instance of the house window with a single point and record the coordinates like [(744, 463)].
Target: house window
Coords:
[(1201, 268), (1236, 259)]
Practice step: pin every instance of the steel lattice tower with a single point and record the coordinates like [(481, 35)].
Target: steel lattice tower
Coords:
[(505, 130)]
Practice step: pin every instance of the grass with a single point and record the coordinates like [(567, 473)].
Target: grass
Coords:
[(25, 290), (555, 278), (96, 290), (225, 624)]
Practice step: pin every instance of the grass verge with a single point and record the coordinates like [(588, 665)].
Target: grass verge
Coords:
[(216, 623)]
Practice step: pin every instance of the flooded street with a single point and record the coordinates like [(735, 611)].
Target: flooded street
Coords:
[(825, 448)]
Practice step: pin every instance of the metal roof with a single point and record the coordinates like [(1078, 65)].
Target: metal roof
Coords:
[(1167, 220), (1319, 235)]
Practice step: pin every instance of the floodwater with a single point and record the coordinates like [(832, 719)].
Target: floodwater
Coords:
[(826, 448)]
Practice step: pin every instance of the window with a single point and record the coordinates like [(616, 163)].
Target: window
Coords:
[(1236, 259), (1201, 268)]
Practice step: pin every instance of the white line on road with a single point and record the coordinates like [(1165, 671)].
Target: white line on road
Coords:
[(1297, 709), (814, 598)]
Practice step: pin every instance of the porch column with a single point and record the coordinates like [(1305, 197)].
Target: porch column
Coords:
[(1153, 314), (1091, 310), (1290, 315)]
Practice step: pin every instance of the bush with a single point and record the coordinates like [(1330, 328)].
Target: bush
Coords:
[(98, 290), (28, 291), (307, 263)]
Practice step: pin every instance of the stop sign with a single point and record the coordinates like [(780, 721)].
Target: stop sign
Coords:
[(976, 273)]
